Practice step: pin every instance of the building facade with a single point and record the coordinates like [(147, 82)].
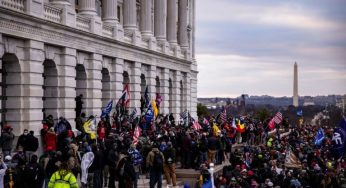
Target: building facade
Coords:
[(54, 50)]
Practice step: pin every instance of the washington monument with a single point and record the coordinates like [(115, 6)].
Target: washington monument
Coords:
[(295, 85)]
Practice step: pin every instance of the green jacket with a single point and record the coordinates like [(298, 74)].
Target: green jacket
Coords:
[(63, 179)]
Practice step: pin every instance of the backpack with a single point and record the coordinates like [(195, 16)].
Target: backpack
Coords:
[(158, 161)]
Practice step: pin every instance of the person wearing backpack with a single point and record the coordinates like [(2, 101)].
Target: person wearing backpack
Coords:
[(33, 173), (155, 161), (169, 166), (137, 160), (63, 178), (125, 171)]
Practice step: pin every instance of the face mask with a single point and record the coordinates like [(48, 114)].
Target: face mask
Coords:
[(25, 134)]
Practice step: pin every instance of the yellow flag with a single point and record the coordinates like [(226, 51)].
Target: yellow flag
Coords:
[(216, 130), (155, 109), (90, 128)]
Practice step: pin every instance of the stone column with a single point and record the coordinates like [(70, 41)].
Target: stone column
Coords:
[(94, 84), (164, 107), (135, 85), (172, 22), (110, 12), (31, 87), (87, 7), (67, 84), (146, 23), (183, 40), (160, 18), (130, 14)]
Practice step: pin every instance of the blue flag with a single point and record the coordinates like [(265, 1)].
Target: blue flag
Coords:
[(319, 137), (107, 109), (146, 97), (299, 112), (339, 140), (207, 184), (149, 115)]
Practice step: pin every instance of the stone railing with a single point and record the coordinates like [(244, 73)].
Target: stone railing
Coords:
[(17, 5), (52, 13), (88, 24), (128, 34), (83, 23), (107, 30)]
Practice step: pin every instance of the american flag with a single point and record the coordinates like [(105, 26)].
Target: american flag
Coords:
[(195, 124), (223, 115), (136, 134), (133, 114), (184, 115), (277, 118)]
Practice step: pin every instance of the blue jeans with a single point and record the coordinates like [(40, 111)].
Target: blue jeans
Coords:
[(155, 177)]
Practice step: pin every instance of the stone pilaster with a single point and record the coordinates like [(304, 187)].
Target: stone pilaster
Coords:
[(34, 8), (193, 93), (117, 79), (94, 84), (110, 12), (135, 85), (172, 22), (160, 18), (31, 86), (176, 93), (151, 81), (87, 7), (1, 81), (67, 84), (187, 91), (164, 81), (183, 40)]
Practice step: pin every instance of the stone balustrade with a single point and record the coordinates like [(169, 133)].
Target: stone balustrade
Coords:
[(57, 14), (52, 13), (18, 5), (83, 23)]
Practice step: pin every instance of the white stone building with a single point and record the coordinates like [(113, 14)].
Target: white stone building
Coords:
[(53, 50)]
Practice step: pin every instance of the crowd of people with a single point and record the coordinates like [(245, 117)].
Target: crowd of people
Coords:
[(120, 149)]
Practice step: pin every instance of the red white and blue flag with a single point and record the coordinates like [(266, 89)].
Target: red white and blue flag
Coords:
[(125, 97), (136, 134), (195, 124)]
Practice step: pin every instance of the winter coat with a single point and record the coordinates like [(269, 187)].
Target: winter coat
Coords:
[(32, 143), (50, 141), (7, 140)]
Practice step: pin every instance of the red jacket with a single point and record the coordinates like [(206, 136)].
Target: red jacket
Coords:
[(50, 141)]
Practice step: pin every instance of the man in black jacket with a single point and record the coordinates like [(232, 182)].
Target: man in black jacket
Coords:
[(31, 145), (23, 140)]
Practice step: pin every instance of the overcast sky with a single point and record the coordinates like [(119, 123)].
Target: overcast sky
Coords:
[(250, 46)]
